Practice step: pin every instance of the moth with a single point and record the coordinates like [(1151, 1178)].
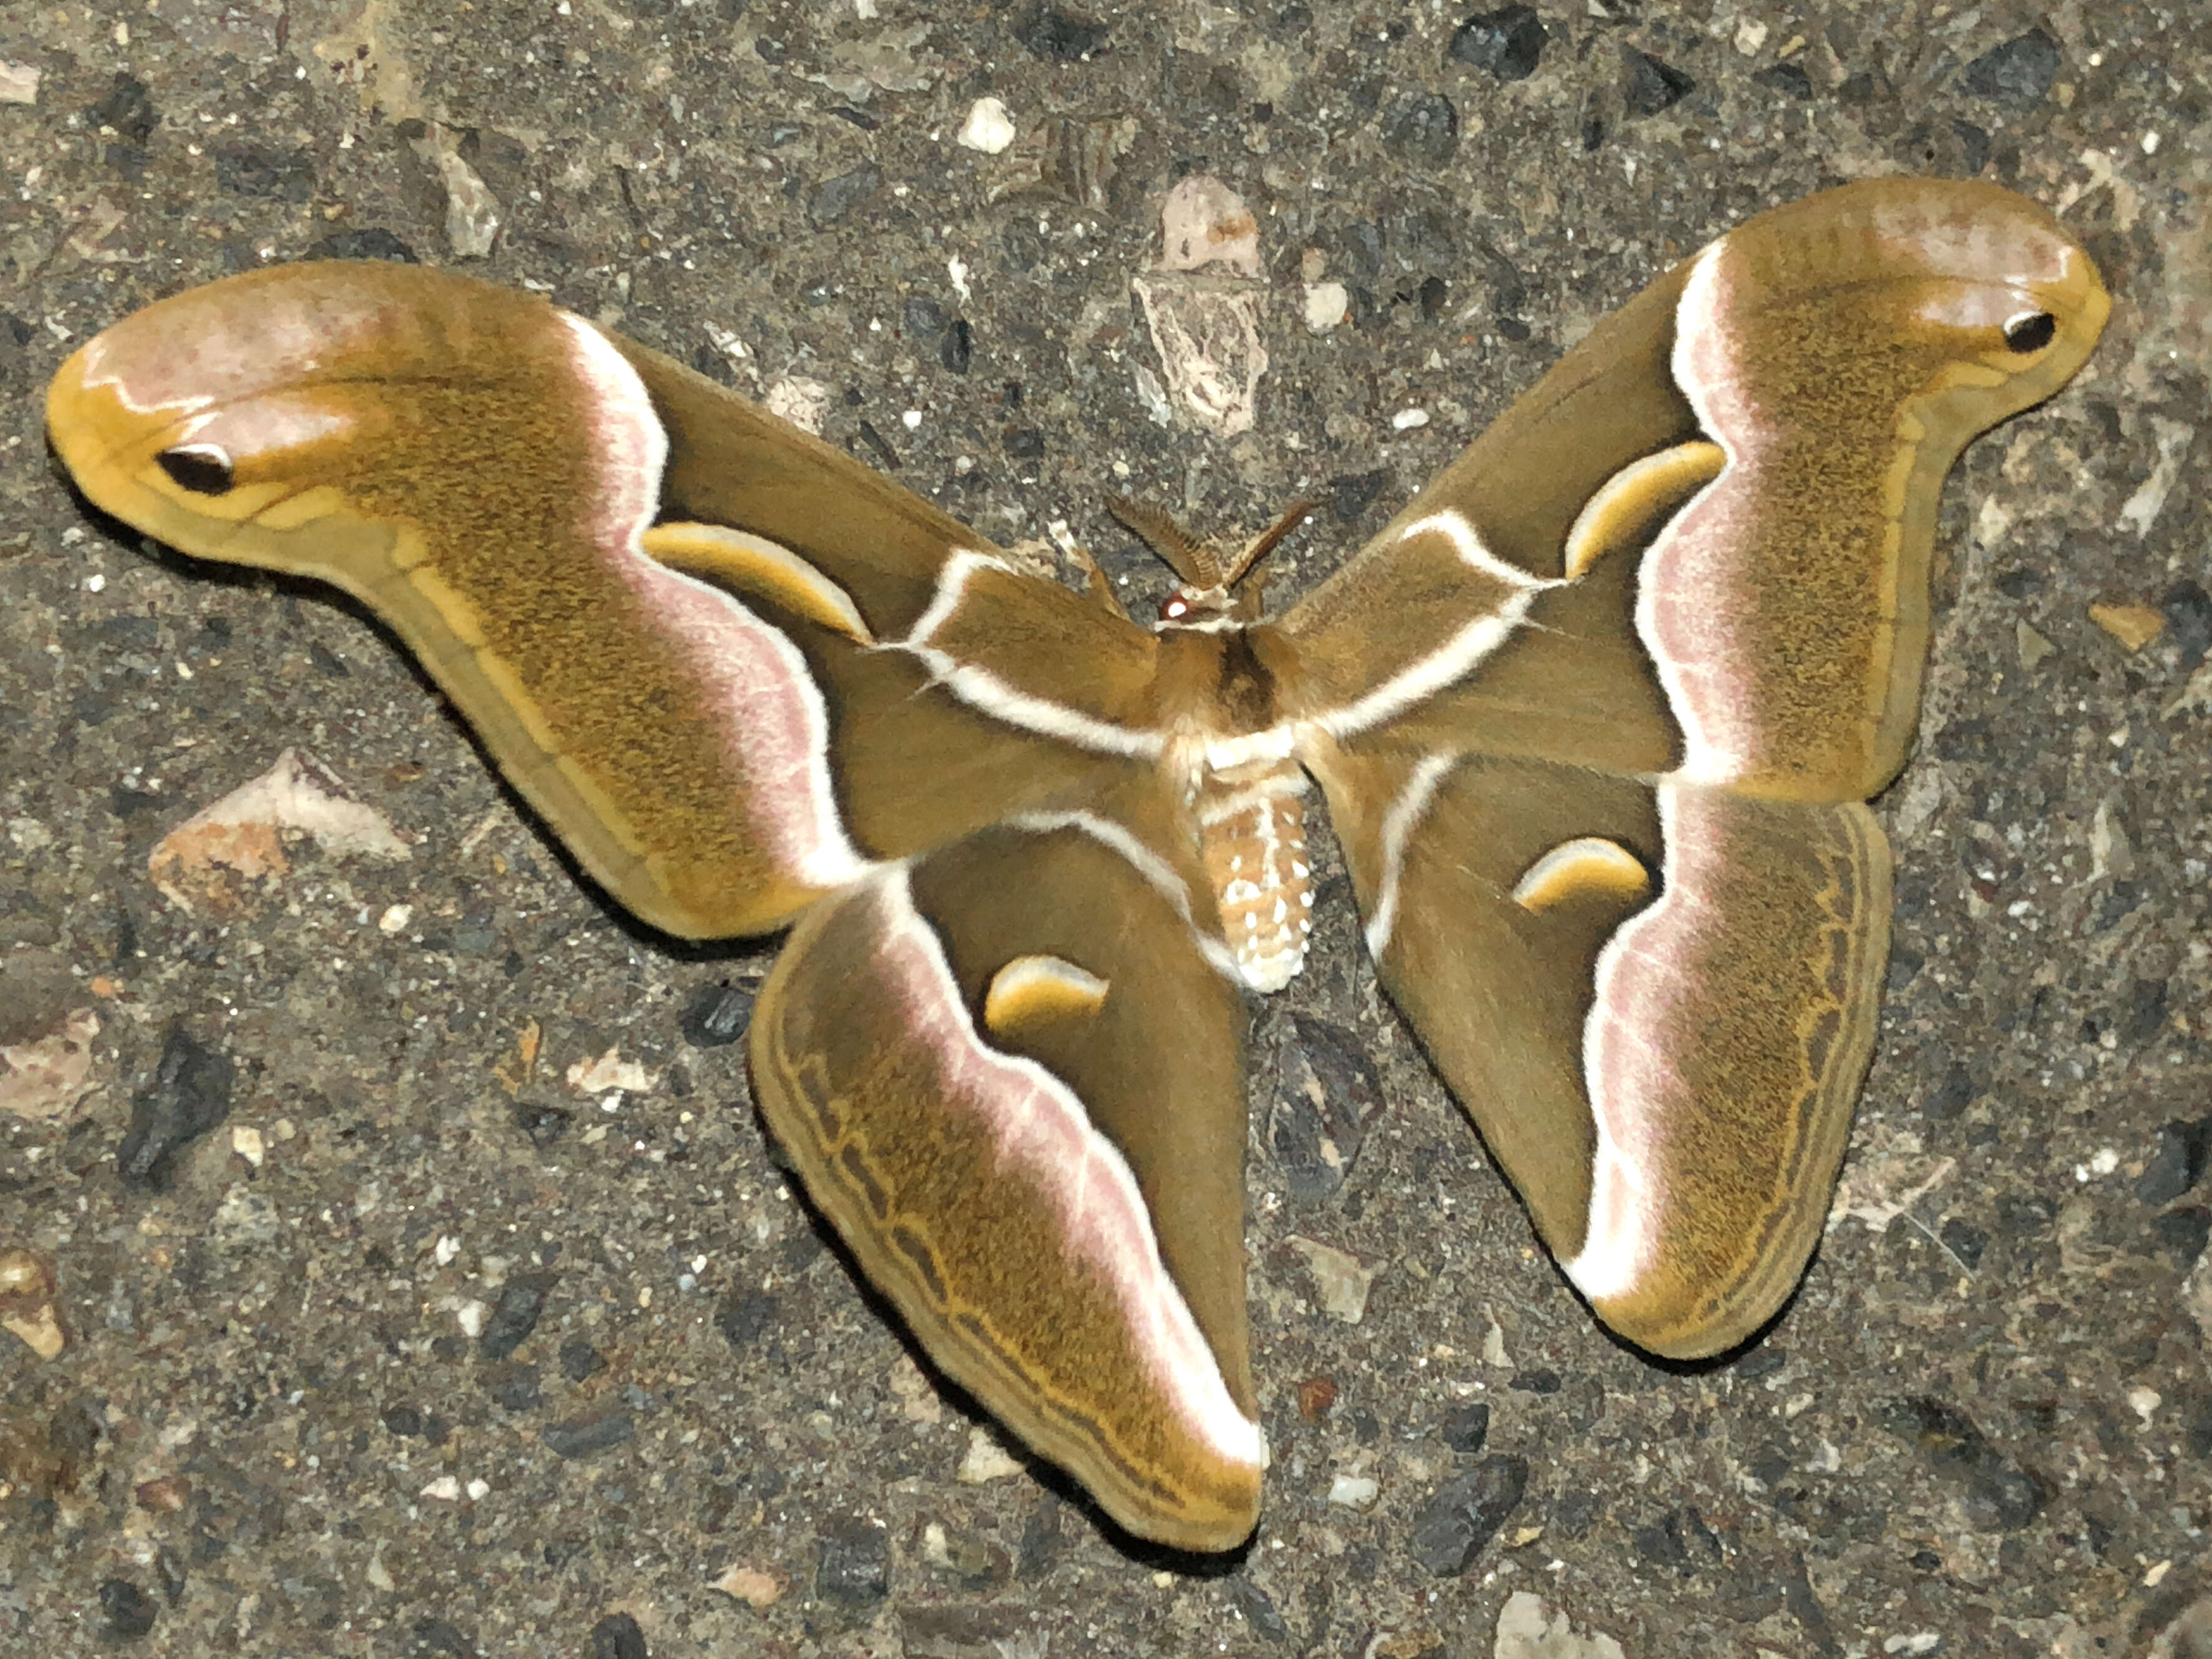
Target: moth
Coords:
[(1596, 718)]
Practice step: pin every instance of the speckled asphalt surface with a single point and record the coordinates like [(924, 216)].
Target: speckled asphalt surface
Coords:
[(419, 1350)]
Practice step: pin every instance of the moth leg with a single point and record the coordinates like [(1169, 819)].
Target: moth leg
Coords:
[(1096, 581)]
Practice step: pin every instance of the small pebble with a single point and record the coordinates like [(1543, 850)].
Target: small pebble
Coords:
[(1353, 1491), (988, 129)]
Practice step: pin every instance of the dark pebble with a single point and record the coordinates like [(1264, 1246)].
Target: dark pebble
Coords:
[(1788, 79), (957, 349), (2177, 1160), (1762, 1361), (1576, 1511), (521, 1302), (1466, 1512), (372, 243), (1507, 42), (617, 1637), (1024, 443), (189, 1096), (1351, 494), (886, 457), (1360, 243), (440, 1637), (129, 108), (1771, 1465), (1999, 1496), (1657, 1546), (2145, 1020), (1905, 962), (1326, 1095), (717, 1015), (1951, 1097), (2019, 72), (544, 1124), (2188, 610), (251, 170), (854, 1566), (1700, 1541), (2182, 1234), (405, 1421), (1964, 1241), (2002, 1497), (1954, 149), (1052, 34), (924, 317), (2196, 1412), (1540, 1381), (515, 1388), (2026, 1215), (1259, 1609), (129, 1611), (580, 1359), (1649, 86), (589, 1436), (1041, 1538), (169, 1567), (741, 1318), (1423, 126), (1466, 1427), (835, 198), (1805, 1607)]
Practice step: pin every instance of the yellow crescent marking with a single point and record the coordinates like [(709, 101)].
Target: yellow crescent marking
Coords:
[(1634, 500), (754, 564), (1572, 868), (1032, 988)]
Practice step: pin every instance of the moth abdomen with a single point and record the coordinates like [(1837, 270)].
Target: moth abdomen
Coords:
[(1252, 837)]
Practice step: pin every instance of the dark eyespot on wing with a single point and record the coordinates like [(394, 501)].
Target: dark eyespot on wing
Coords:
[(201, 468), (2031, 331)]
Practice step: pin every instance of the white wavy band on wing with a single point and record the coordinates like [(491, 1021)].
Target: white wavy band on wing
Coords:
[(1641, 1009), (1399, 823), (1468, 646), (1693, 565), (1157, 872), (981, 689), (774, 725), (1045, 1140)]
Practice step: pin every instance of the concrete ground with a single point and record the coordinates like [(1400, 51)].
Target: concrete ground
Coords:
[(379, 1336)]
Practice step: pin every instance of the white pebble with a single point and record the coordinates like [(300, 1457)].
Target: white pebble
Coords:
[(1327, 304), (988, 128), (1353, 1491)]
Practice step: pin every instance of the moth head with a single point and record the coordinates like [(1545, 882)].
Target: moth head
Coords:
[(1191, 607), (1208, 591)]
